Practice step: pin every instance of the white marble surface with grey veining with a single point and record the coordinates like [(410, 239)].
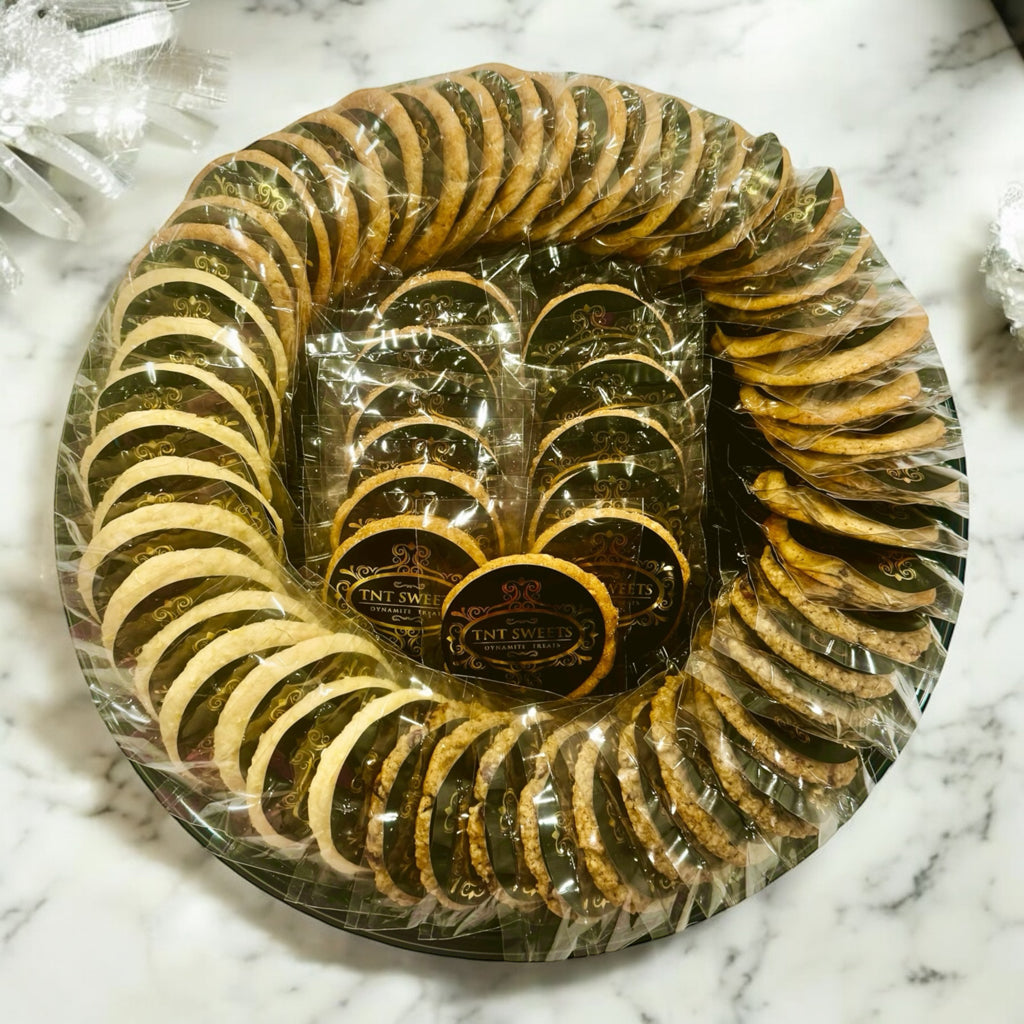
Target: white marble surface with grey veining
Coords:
[(915, 911)]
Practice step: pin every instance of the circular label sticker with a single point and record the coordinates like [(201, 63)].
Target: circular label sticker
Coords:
[(532, 620)]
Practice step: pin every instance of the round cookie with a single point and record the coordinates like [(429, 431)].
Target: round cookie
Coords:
[(593, 320), (288, 755), (610, 483), (547, 825), (390, 847), (680, 151), (170, 478), (640, 564), (167, 585), (442, 832), (601, 435), (876, 522), (835, 404), (397, 574), (279, 682), (425, 490), (423, 440), (163, 657), (713, 820), (561, 122), (396, 144), (340, 793), (767, 815), (190, 709), (495, 843)]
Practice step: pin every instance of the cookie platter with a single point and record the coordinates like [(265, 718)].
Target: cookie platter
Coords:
[(511, 515)]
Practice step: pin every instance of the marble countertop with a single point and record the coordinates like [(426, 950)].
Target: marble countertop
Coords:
[(915, 911)]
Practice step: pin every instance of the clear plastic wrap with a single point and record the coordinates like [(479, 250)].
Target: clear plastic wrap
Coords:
[(413, 498)]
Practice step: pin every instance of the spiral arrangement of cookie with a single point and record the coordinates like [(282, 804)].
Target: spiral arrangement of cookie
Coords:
[(619, 819)]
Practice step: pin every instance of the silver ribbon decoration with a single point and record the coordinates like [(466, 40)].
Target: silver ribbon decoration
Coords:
[(1003, 264), (79, 82)]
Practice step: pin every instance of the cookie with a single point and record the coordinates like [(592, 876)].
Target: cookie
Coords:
[(832, 404), (139, 436), (190, 709), (480, 121), (235, 257), (861, 684), (265, 181), (240, 216), (442, 832), (629, 187), (841, 652), (859, 351), (384, 120), (615, 859), (620, 381), (900, 480), (423, 440), (681, 144), (879, 522), (167, 585), (601, 435), (779, 743), (397, 574), (187, 291), (531, 620), (839, 256), (854, 573), (807, 208), (673, 852), (424, 491), (495, 843), (330, 192), (640, 564), (726, 147), (547, 824), (443, 144), (823, 709), (602, 121), (749, 201), (714, 822), (904, 637), (164, 656), (127, 542), (444, 298), (340, 793), (196, 341), (765, 813), (593, 320), (186, 388), (433, 350), (355, 153), (401, 397), (390, 847), (610, 483), (277, 683), (522, 119), (893, 436), (561, 122), (288, 755), (169, 478)]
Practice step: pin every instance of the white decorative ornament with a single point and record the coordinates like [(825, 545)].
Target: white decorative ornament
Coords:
[(80, 80), (1003, 264)]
